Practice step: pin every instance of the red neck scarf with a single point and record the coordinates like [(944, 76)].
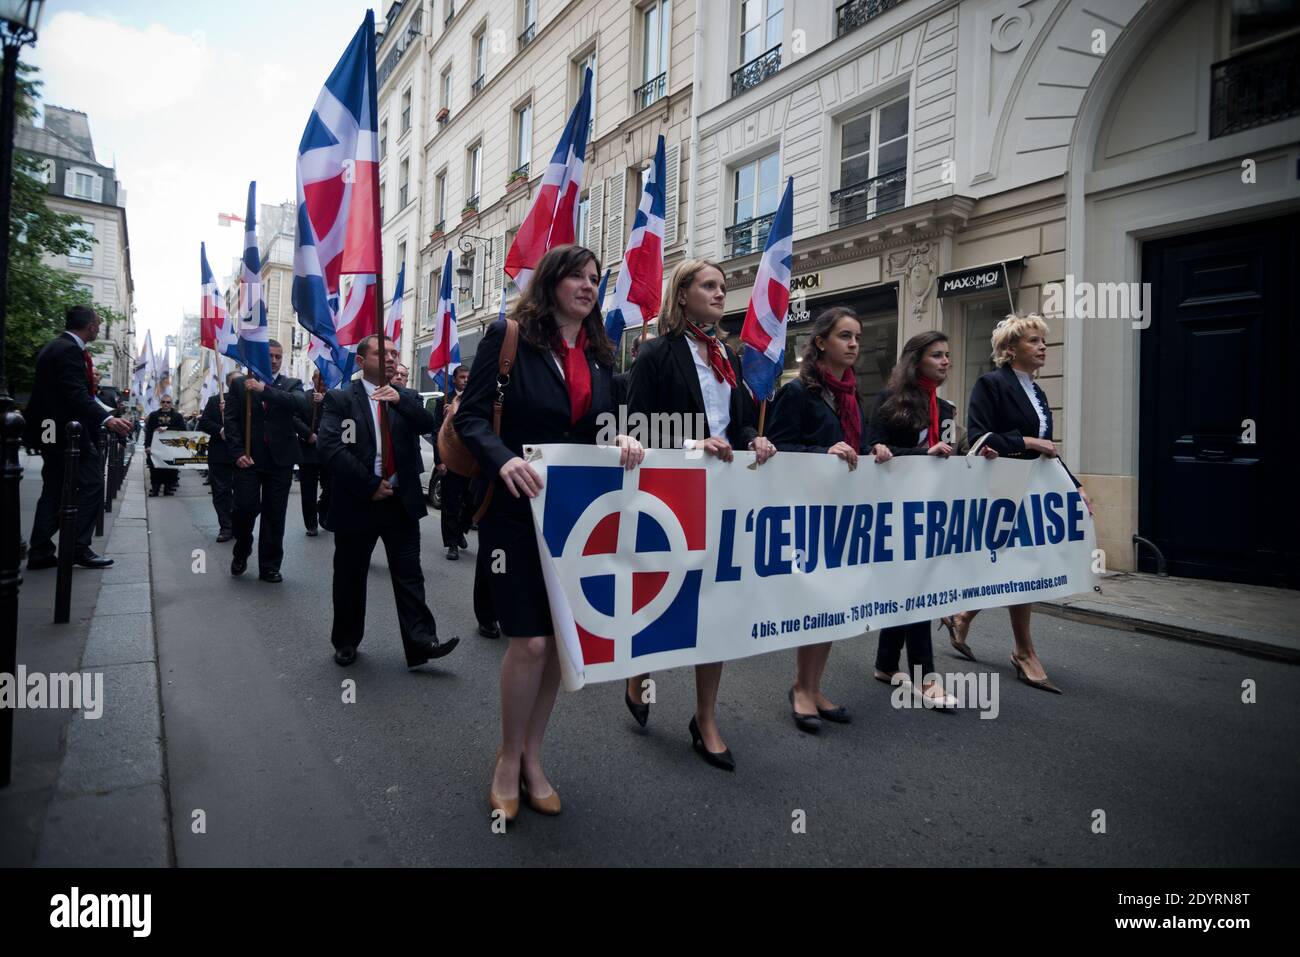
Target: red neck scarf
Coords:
[(717, 355), (577, 375), (845, 390), (929, 386)]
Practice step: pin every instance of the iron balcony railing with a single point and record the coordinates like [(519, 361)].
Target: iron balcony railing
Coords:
[(451, 14), (748, 236), (650, 91), (440, 226), (1258, 87), (520, 172), (862, 201), (756, 71), (477, 85), (526, 37), (849, 16), (409, 35)]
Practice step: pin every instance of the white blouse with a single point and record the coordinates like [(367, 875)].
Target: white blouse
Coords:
[(717, 395), (1027, 383)]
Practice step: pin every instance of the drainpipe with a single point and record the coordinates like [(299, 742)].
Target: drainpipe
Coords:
[(694, 165)]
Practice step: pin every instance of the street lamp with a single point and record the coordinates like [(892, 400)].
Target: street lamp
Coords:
[(18, 22), (468, 245)]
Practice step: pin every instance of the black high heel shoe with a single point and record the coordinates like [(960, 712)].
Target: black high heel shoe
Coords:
[(640, 711), (810, 723), (718, 759)]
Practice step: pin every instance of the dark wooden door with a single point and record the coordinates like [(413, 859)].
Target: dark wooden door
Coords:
[(1215, 364)]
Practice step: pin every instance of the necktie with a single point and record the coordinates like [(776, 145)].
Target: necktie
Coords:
[(90, 372)]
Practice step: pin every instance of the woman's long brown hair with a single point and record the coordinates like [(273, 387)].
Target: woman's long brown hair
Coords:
[(823, 326), (909, 406), (535, 311)]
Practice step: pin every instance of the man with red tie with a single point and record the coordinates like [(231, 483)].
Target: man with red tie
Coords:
[(64, 391)]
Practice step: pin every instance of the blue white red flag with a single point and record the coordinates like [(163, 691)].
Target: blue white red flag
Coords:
[(338, 231), (600, 290), (763, 333), (553, 219), (216, 331), (322, 357), (393, 323), (253, 349), (641, 280), (446, 343)]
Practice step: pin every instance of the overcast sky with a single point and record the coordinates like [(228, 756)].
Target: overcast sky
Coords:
[(191, 101)]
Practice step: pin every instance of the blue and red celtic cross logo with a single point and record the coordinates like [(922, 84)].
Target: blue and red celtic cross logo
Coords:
[(635, 563)]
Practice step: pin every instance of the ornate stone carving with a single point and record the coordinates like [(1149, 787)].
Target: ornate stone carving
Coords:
[(917, 275)]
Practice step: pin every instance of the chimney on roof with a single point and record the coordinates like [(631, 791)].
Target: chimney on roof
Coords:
[(71, 126)]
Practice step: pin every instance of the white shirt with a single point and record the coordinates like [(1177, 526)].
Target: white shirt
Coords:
[(717, 395), (1027, 383), (379, 435)]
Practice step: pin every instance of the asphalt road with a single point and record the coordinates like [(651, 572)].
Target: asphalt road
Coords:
[(1154, 733)]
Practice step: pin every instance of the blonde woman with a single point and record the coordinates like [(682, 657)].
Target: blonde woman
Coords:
[(1008, 406), (688, 371)]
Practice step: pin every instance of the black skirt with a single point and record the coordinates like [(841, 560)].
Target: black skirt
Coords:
[(508, 543)]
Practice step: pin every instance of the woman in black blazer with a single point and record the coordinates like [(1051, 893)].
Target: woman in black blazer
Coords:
[(1009, 407), (689, 372), (911, 419), (560, 384), (819, 413)]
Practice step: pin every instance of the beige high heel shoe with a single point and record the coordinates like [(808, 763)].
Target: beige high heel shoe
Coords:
[(508, 806)]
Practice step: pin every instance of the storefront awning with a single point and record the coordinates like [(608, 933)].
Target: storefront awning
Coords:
[(977, 279)]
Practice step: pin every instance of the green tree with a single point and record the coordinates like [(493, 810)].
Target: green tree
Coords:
[(39, 294)]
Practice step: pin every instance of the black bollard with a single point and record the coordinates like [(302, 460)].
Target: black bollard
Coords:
[(67, 525), (10, 577), (105, 504), (117, 465)]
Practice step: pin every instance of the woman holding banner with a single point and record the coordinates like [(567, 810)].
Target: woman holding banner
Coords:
[(1010, 411), (689, 373), (560, 383), (819, 413), (911, 419)]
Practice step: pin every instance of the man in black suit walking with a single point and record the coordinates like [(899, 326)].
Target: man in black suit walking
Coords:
[(373, 499), (63, 392), (311, 476), (221, 465), (162, 419), (263, 477)]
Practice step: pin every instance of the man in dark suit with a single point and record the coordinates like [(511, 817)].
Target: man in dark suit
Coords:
[(63, 392), (264, 475), (221, 465), (164, 418), (373, 498), (455, 488), (310, 474)]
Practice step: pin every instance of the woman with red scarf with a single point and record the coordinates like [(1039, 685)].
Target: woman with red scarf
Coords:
[(560, 384), (819, 412), (911, 419), (689, 372)]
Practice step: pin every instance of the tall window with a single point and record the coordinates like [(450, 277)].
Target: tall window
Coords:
[(474, 169), (431, 302), (83, 184), (440, 200), (445, 86), (403, 183), (523, 136), (383, 193), (761, 27), (479, 50), (406, 110), (401, 261), (756, 192), (873, 162), (527, 22), (580, 66), (656, 22), (1254, 22), (584, 220), (84, 257), (383, 139)]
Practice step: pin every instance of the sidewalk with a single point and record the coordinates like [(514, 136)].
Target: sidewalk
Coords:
[(91, 792), (1245, 618)]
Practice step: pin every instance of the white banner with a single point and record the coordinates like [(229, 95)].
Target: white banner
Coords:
[(173, 449), (688, 560)]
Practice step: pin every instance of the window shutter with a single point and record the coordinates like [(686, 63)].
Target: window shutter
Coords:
[(69, 181), (596, 220), (476, 290), (97, 191), (498, 265), (617, 187), (672, 173)]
